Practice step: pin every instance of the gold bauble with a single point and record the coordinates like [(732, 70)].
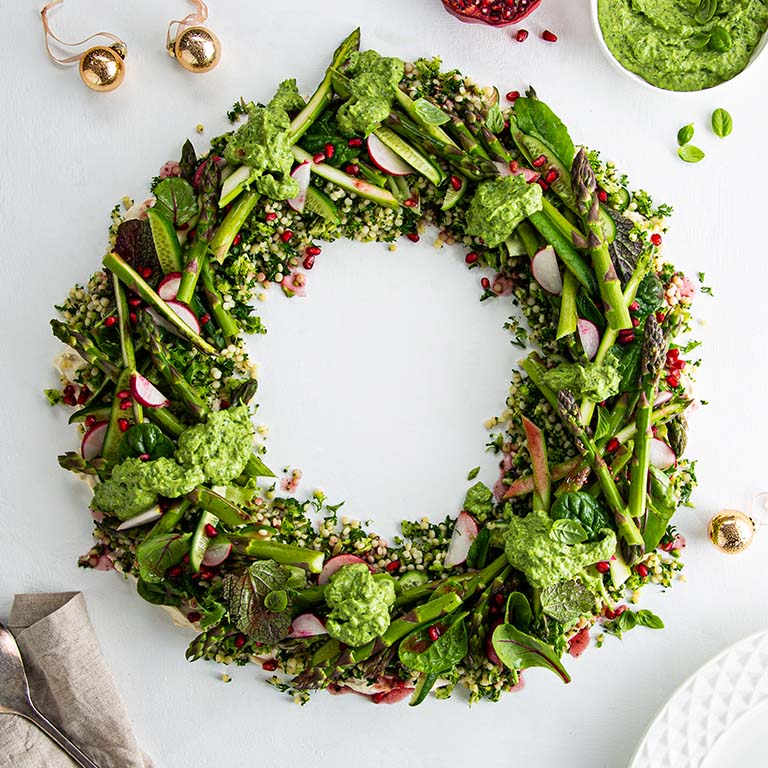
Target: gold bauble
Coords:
[(731, 531), (197, 49), (102, 68)]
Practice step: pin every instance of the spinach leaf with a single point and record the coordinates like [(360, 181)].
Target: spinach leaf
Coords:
[(588, 310), (419, 653), (567, 531), (479, 502), (478, 550), (722, 123), (580, 507), (534, 117), (519, 651), (156, 555), (518, 611), (625, 252), (176, 200), (145, 440), (626, 360), (429, 113), (495, 120), (566, 601), (326, 131), (603, 428)]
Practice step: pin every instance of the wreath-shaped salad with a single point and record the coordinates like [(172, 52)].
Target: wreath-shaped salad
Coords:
[(590, 446)]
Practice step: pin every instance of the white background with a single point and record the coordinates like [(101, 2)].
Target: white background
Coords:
[(377, 384)]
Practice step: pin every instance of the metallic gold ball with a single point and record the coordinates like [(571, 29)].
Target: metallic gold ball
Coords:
[(102, 68), (731, 531), (197, 49)]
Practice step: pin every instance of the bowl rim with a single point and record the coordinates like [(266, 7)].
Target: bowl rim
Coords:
[(760, 48)]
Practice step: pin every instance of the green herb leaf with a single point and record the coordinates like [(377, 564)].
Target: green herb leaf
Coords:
[(626, 249), (420, 653), (495, 120), (722, 123), (276, 601), (518, 611), (145, 440), (479, 502), (156, 555), (622, 624), (685, 134), (699, 41), (519, 651), (690, 154), (473, 473), (646, 618), (478, 550), (568, 531), (584, 509), (706, 11), (429, 113), (603, 428), (566, 601), (176, 200), (650, 296), (721, 40), (535, 118)]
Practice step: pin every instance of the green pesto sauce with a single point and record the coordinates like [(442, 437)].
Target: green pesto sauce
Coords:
[(661, 40), (124, 494), (359, 604), (593, 381)]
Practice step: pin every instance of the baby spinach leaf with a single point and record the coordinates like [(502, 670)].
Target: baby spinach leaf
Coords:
[(722, 123), (479, 501), (429, 113), (324, 131), (585, 509), (495, 120), (420, 653), (685, 134), (589, 311), (567, 531), (535, 118), (603, 428), (145, 440), (518, 611), (566, 601), (690, 154), (156, 555), (519, 651), (176, 200), (650, 296), (626, 360)]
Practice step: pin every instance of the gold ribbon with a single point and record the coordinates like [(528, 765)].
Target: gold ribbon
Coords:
[(50, 36), (190, 20)]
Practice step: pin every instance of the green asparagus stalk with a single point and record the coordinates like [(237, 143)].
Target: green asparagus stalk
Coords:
[(126, 341), (198, 251), (257, 468), (467, 139), (286, 554), (170, 519), (535, 369), (229, 514), (113, 435), (528, 238), (654, 351), (232, 224), (585, 188), (569, 316), (569, 412), (477, 624), (224, 320), (85, 347), (542, 482), (408, 105)]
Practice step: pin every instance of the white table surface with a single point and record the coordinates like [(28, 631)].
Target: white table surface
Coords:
[(378, 383)]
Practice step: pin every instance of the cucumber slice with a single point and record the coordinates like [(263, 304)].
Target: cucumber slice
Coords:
[(608, 225), (234, 184), (452, 196), (424, 166), (200, 540), (166, 242), (318, 202), (621, 199), (426, 682), (99, 411), (411, 580)]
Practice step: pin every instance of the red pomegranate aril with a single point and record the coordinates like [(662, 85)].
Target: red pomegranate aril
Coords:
[(393, 566), (661, 317), (236, 239), (312, 250), (194, 616), (286, 236), (174, 572), (309, 261), (673, 381), (410, 203), (352, 169), (543, 184), (355, 143), (522, 35), (612, 445), (239, 641), (146, 272), (656, 239), (210, 531), (539, 161), (456, 183), (90, 421), (486, 283), (205, 319), (134, 302), (471, 257), (270, 665), (85, 393), (603, 566), (144, 457), (319, 158), (433, 633), (602, 195), (642, 571), (634, 306), (413, 237), (514, 166), (133, 317), (495, 13), (123, 424), (124, 394), (125, 405), (550, 37), (271, 216), (626, 336), (330, 151), (513, 96), (553, 175), (110, 321), (635, 321)]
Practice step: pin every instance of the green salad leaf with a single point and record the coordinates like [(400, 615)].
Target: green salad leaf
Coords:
[(176, 200), (690, 154), (720, 39), (518, 611), (478, 550), (535, 118), (159, 553), (567, 531), (566, 601), (722, 122), (584, 509), (421, 654), (145, 439), (518, 650)]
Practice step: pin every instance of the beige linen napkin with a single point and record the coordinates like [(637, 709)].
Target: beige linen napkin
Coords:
[(70, 684)]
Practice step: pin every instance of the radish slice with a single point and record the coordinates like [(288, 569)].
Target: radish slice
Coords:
[(142, 519), (385, 159), (662, 456), (217, 552), (530, 175), (663, 397), (464, 533), (589, 337), (186, 315), (147, 393), (505, 170), (301, 174), (169, 286), (93, 441), (307, 625), (546, 271), (335, 563)]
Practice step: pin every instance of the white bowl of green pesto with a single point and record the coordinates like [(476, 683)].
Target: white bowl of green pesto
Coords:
[(681, 45)]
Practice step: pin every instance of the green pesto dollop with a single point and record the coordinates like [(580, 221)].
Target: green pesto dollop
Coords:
[(373, 80), (168, 478), (221, 447), (594, 381), (263, 143), (359, 604), (546, 561), (499, 206), (664, 42), (124, 494)]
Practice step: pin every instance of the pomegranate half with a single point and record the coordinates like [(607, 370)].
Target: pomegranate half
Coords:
[(496, 13)]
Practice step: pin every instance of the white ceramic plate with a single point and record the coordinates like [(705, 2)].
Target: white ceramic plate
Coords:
[(717, 718)]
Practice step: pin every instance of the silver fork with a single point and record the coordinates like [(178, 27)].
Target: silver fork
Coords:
[(15, 700)]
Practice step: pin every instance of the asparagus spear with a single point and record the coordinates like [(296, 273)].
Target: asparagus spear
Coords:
[(408, 105), (126, 341), (225, 321), (654, 351), (569, 412), (522, 486), (198, 251), (85, 347), (585, 187), (542, 481), (232, 224)]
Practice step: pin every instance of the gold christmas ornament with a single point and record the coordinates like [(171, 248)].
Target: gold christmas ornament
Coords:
[(731, 531), (101, 67), (195, 47)]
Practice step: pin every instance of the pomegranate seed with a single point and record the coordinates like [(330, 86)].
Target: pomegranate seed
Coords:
[(210, 531), (271, 216), (313, 250), (193, 616), (270, 665), (330, 151), (612, 445), (635, 321), (626, 336), (133, 317), (550, 37), (456, 183), (634, 306), (236, 240), (125, 405), (471, 257), (498, 598), (205, 319), (486, 283), (393, 566), (286, 236), (656, 239), (513, 96), (110, 321), (660, 317), (82, 398), (522, 35), (146, 272), (124, 394), (123, 424), (239, 641), (319, 158), (410, 203), (673, 355), (553, 175), (413, 237), (667, 547), (355, 143), (673, 381), (191, 235), (602, 195), (433, 633), (68, 395), (309, 262), (174, 572), (603, 566), (352, 169), (134, 302), (514, 166), (641, 571), (620, 609), (90, 421), (144, 457), (543, 184), (539, 161)]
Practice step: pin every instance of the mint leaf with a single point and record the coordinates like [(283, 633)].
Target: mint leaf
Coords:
[(690, 154), (685, 134), (722, 123), (566, 601)]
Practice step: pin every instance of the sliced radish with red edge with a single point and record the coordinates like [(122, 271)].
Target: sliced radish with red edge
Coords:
[(93, 441), (385, 159), (147, 393), (168, 287), (217, 552), (662, 456), (464, 533), (505, 170), (589, 336), (546, 271), (150, 516), (307, 625), (663, 397), (335, 563), (301, 175)]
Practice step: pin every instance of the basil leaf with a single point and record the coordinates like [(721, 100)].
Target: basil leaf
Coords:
[(706, 11), (145, 440), (478, 550), (479, 501), (420, 653), (518, 611), (429, 113), (535, 118), (473, 473), (721, 40), (584, 509), (722, 123), (519, 651), (495, 120), (646, 618), (176, 200), (156, 555), (624, 623), (567, 531), (685, 134), (690, 154), (700, 41), (566, 601)]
